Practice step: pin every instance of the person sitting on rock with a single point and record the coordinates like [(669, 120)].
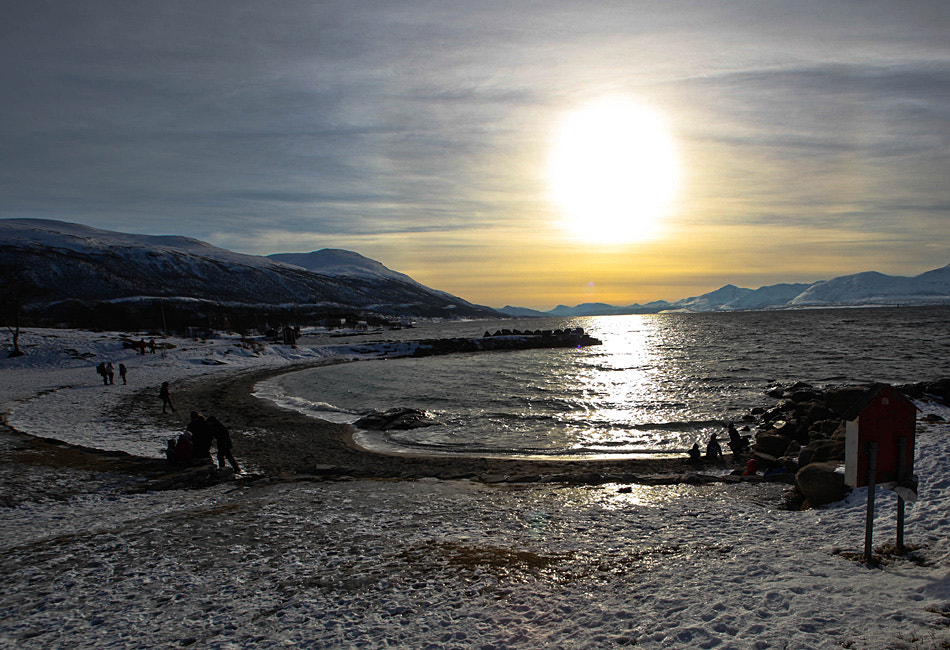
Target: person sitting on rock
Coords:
[(170, 450), (751, 468), (184, 448), (695, 455)]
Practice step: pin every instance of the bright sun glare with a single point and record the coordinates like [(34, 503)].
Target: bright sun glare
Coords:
[(613, 171)]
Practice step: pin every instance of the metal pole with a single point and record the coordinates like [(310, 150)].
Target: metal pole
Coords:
[(901, 474), (869, 522)]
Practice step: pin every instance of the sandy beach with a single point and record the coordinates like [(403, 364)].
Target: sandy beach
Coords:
[(281, 442)]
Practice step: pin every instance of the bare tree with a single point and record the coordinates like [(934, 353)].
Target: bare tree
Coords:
[(14, 287)]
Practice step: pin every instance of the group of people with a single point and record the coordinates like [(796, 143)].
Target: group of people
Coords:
[(194, 445), (107, 371), (738, 445), (142, 345)]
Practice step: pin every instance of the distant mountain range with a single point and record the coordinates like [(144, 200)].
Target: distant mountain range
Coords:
[(74, 274), (67, 268), (861, 289)]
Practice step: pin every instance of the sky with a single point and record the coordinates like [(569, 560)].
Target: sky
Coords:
[(801, 140)]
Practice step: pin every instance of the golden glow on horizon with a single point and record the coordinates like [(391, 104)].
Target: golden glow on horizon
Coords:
[(613, 171)]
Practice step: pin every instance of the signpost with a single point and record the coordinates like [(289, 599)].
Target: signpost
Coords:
[(879, 449)]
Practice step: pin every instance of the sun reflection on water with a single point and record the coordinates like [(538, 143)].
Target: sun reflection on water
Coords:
[(625, 383)]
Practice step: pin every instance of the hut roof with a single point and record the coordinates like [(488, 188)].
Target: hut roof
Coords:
[(872, 393)]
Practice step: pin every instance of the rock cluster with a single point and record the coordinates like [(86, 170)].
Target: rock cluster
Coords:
[(805, 434), (507, 340)]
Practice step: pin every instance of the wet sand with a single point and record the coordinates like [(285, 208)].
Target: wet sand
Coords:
[(280, 442)]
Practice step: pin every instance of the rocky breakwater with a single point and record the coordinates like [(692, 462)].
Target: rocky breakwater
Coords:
[(804, 434), (506, 339)]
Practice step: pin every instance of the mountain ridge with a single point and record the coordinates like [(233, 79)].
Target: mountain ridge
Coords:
[(71, 263), (59, 263), (868, 288)]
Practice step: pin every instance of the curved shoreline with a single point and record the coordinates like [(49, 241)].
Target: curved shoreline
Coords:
[(283, 442)]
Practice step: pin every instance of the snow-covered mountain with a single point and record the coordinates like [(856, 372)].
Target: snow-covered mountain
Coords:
[(339, 263), (58, 262), (342, 264), (870, 288), (713, 300), (873, 288)]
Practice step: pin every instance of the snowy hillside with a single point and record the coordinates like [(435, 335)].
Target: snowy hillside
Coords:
[(58, 263), (763, 297), (876, 288), (341, 263), (348, 264), (713, 300)]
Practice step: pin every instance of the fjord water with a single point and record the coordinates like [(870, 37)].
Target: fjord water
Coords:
[(656, 385)]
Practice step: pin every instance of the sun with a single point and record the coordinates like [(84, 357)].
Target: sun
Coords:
[(613, 171)]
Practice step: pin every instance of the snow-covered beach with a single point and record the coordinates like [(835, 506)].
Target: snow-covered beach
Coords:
[(422, 563)]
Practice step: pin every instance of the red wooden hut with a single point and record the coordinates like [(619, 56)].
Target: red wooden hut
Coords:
[(885, 416)]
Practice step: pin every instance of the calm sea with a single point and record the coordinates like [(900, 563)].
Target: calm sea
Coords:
[(656, 385)]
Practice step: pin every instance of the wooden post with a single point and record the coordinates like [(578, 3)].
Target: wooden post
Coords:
[(869, 522), (901, 475)]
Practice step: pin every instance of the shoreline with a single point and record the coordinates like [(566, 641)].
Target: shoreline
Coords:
[(284, 443)]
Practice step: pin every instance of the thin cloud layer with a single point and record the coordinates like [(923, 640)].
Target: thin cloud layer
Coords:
[(402, 129)]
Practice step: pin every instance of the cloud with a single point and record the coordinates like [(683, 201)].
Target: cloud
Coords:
[(360, 120)]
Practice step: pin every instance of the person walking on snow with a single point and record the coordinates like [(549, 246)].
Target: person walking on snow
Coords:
[(166, 397)]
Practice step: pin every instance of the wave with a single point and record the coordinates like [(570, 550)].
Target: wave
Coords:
[(320, 410)]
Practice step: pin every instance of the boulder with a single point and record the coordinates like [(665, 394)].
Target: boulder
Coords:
[(800, 385), (397, 418), (840, 400), (823, 428), (821, 483), (772, 444), (821, 451), (813, 411), (800, 396)]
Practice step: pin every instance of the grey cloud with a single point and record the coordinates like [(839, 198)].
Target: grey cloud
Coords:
[(376, 117)]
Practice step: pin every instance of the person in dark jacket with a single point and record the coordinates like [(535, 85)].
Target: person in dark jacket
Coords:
[(736, 442), (695, 455), (713, 448), (166, 397), (223, 439), (201, 436)]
